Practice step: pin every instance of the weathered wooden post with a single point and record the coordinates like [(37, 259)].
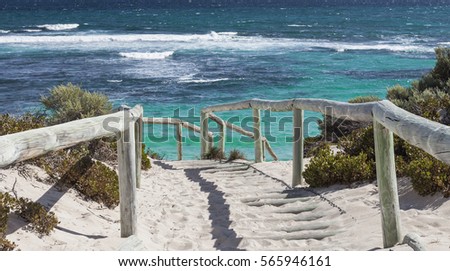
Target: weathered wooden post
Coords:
[(297, 158), (179, 138), (222, 135), (387, 185), (139, 129), (126, 150), (257, 135), (204, 139)]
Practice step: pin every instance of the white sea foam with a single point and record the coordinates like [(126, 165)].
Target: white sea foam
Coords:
[(58, 27), (4, 31), (154, 55), (213, 40), (32, 30), (342, 47), (115, 38), (228, 33), (299, 25), (114, 81), (200, 81)]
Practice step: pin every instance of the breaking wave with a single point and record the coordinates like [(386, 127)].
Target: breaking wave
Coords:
[(58, 27), (213, 40), (154, 55)]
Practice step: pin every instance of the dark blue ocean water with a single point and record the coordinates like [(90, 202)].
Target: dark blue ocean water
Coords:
[(169, 59)]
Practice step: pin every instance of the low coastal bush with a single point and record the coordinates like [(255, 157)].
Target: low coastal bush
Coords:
[(94, 180), (235, 154), (5, 203), (146, 163), (429, 96), (6, 245), (28, 121), (41, 221), (327, 168), (428, 175), (75, 168), (214, 153), (312, 145), (359, 141), (71, 102), (39, 218)]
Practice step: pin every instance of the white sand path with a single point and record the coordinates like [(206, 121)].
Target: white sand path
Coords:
[(204, 205)]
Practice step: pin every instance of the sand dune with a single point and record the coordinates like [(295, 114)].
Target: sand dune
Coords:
[(205, 205)]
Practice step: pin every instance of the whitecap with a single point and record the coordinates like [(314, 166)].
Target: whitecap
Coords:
[(32, 30), (4, 31), (58, 27), (114, 81), (228, 33), (153, 55), (200, 81), (296, 25)]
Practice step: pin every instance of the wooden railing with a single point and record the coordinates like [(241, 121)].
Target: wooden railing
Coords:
[(179, 124), (126, 125), (432, 137)]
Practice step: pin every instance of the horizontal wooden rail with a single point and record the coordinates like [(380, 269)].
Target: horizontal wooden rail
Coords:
[(357, 112), (29, 144), (430, 136), (125, 125)]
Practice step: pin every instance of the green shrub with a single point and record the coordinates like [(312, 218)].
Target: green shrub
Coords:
[(326, 169), (359, 141), (429, 96), (22, 123), (439, 77), (39, 218), (70, 102), (93, 180), (5, 206), (146, 163), (235, 154), (428, 174), (76, 168), (364, 99), (57, 163), (6, 201), (433, 104), (214, 153), (6, 245)]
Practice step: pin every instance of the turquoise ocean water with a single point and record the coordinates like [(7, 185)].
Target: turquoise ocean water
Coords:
[(176, 61)]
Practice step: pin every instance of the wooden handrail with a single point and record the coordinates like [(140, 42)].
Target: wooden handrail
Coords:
[(26, 145), (430, 136), (125, 125), (357, 112)]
